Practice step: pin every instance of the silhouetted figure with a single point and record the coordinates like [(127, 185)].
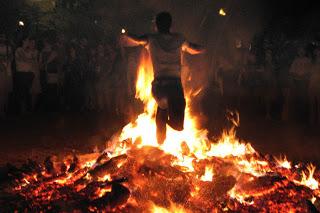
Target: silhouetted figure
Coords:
[(314, 90), (165, 50), (49, 63), (74, 72), (300, 74), (5, 73), (26, 63)]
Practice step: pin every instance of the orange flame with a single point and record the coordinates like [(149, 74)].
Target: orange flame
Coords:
[(172, 208), (309, 181)]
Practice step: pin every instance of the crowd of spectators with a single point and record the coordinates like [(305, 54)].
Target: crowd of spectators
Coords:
[(56, 74), (283, 85)]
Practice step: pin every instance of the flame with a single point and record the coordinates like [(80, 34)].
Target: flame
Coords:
[(309, 181), (101, 192), (242, 198), (173, 208), (208, 175), (194, 139), (229, 145), (106, 177), (283, 162), (144, 126)]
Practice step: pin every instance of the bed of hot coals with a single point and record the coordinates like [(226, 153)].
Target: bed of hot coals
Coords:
[(147, 179)]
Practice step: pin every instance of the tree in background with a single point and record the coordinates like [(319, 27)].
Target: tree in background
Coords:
[(9, 15), (72, 17)]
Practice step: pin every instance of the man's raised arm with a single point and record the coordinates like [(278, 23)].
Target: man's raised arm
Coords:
[(131, 40), (192, 48)]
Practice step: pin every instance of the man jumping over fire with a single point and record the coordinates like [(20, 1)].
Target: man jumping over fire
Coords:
[(165, 50)]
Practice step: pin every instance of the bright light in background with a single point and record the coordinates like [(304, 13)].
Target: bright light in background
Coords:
[(21, 23), (123, 31), (222, 12)]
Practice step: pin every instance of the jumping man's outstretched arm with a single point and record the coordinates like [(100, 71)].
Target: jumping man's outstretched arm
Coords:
[(131, 40), (192, 48)]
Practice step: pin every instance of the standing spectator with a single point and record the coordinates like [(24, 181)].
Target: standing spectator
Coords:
[(250, 82), (36, 86), (270, 84), (49, 62), (25, 65), (5, 73), (43, 58), (103, 83), (90, 80), (314, 90), (299, 72), (62, 59), (229, 80), (283, 54), (131, 75), (110, 78), (74, 72), (120, 80)]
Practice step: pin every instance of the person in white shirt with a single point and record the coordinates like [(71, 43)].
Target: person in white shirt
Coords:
[(36, 86), (25, 65), (165, 50)]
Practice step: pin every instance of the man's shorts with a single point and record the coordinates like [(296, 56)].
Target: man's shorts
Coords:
[(170, 89)]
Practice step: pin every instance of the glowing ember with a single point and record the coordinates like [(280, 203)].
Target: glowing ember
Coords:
[(313, 200), (283, 162), (310, 181), (173, 208), (207, 175)]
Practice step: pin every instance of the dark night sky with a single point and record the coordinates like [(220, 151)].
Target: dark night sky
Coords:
[(303, 15)]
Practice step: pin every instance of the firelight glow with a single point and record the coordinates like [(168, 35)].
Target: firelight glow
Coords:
[(190, 172)]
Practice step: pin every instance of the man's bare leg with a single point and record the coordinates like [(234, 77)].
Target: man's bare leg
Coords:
[(161, 121)]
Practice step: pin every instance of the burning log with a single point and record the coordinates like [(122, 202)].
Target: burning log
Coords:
[(217, 189), (311, 207), (116, 197), (110, 167)]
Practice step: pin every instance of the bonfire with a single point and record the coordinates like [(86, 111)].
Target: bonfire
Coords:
[(189, 172)]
